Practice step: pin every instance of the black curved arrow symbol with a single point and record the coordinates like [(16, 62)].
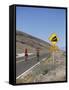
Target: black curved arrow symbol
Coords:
[(54, 39)]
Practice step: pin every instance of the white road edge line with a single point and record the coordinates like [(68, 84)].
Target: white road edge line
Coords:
[(30, 68)]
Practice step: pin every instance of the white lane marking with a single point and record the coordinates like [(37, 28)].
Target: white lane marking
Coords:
[(22, 55), (24, 60), (44, 59), (27, 70), (19, 61), (30, 68)]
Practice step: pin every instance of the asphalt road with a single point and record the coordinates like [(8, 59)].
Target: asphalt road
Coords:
[(22, 65)]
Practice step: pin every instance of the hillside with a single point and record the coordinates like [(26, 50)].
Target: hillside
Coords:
[(24, 40)]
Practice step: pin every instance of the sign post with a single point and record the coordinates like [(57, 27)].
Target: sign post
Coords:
[(37, 51), (53, 39), (26, 54)]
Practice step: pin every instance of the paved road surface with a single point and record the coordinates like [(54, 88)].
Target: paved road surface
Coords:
[(23, 65)]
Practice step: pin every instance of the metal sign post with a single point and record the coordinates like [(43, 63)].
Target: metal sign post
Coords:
[(53, 57)]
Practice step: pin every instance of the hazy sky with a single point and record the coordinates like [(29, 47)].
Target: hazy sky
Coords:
[(42, 22)]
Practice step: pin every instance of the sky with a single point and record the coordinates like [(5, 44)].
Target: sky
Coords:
[(42, 22)]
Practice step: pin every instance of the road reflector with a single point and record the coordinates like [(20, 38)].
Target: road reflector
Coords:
[(53, 38)]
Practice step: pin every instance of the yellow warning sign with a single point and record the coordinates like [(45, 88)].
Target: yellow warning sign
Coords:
[(53, 38)]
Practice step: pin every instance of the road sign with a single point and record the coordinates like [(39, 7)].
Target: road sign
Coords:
[(53, 38), (53, 48)]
